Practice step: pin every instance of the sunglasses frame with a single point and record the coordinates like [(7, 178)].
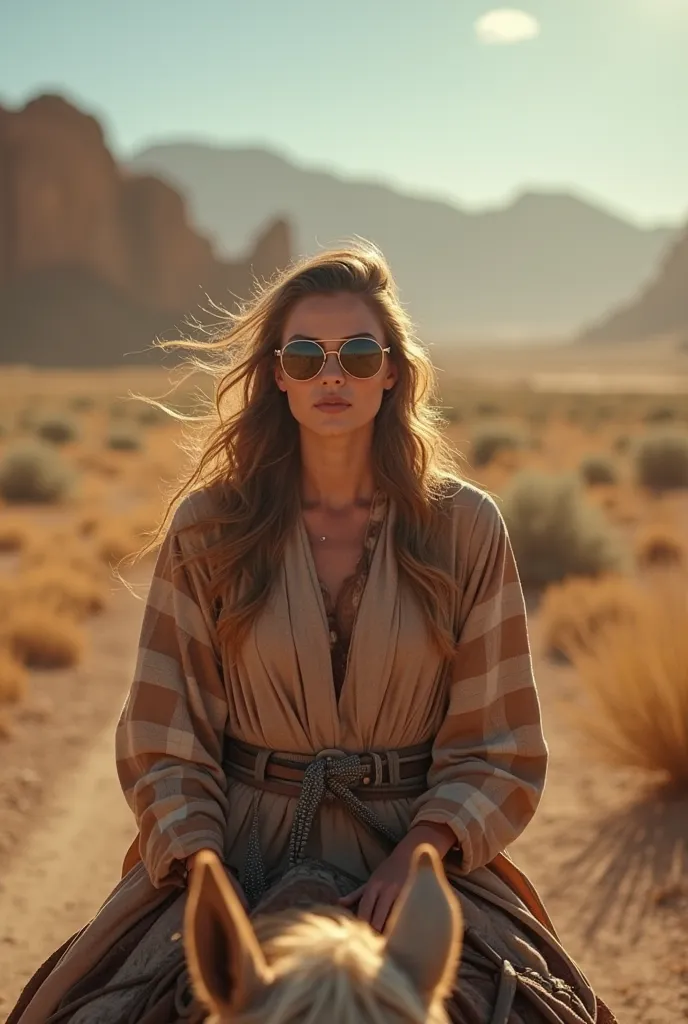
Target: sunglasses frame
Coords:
[(320, 342)]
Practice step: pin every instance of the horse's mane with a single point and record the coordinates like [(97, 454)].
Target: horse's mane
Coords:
[(327, 965)]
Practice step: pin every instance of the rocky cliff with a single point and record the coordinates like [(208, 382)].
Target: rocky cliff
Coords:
[(659, 308), (95, 261)]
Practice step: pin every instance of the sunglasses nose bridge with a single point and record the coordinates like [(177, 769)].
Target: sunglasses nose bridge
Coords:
[(326, 355)]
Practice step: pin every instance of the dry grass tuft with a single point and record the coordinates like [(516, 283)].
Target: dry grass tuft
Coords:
[(575, 612), (637, 679), (62, 588), (39, 637), (658, 546), (15, 532)]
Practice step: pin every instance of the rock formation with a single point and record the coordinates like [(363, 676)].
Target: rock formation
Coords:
[(85, 245), (660, 308)]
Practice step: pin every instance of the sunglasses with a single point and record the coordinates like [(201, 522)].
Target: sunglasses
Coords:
[(359, 357)]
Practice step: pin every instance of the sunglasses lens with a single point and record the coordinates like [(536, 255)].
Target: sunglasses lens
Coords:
[(302, 359), (361, 357)]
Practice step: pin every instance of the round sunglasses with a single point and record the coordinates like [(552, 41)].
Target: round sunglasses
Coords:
[(359, 357)]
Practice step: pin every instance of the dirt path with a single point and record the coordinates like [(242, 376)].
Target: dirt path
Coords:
[(610, 868)]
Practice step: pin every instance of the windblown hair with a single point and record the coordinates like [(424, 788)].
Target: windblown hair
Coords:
[(329, 966), (248, 443)]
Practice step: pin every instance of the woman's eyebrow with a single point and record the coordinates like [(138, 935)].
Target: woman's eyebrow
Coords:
[(345, 337)]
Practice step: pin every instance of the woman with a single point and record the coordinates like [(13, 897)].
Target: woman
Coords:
[(333, 613)]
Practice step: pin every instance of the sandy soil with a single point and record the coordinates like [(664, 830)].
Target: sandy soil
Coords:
[(608, 857)]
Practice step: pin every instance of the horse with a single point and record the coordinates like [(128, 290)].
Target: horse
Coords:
[(322, 963)]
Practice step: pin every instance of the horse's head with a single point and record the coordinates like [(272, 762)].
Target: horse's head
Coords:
[(324, 964)]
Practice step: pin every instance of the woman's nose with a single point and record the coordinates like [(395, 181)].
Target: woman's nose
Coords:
[(332, 369)]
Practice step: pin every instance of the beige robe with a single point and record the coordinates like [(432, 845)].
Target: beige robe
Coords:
[(189, 698)]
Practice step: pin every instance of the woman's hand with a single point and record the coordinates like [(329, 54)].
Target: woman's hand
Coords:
[(236, 885), (379, 894)]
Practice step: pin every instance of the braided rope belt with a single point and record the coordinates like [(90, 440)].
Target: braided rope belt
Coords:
[(334, 774)]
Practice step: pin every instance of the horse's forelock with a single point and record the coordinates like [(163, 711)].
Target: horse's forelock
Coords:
[(325, 960)]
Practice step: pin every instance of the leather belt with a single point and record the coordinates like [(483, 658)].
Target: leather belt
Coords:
[(389, 774)]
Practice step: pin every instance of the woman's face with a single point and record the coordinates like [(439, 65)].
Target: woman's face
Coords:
[(329, 319)]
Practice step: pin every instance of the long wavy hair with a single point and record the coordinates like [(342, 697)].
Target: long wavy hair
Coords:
[(247, 443)]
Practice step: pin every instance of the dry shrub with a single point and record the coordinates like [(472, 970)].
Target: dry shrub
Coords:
[(124, 438), (658, 546), (63, 589), (65, 550), (661, 460), (637, 679), (39, 637), (660, 414), (14, 532), (574, 613), (598, 470), (13, 678), (57, 428), (32, 472), (492, 439), (555, 533), (114, 542)]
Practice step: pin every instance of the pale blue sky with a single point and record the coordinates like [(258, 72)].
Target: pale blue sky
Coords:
[(399, 90)]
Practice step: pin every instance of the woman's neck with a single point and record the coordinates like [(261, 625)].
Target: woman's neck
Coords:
[(336, 472)]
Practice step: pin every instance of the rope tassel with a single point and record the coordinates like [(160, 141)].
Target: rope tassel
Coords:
[(335, 775)]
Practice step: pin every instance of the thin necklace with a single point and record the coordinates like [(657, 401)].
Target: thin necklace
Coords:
[(360, 503)]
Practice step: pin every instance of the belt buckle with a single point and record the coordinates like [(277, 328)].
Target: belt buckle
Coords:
[(330, 754)]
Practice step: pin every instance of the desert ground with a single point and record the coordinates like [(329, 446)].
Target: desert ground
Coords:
[(603, 555)]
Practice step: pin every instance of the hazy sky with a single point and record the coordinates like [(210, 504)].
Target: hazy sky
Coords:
[(427, 94)]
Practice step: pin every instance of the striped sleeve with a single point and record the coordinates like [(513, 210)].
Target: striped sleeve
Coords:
[(489, 756), (170, 734)]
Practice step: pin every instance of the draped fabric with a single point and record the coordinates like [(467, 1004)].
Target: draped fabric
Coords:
[(189, 699)]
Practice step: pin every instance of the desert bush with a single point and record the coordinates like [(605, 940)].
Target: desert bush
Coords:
[(39, 637), (63, 588), (487, 408), (14, 532), (661, 460), (574, 613), (115, 542), (31, 471), (637, 680), (555, 533), (492, 439), (57, 428), (621, 444), (597, 470), (660, 414), (82, 403), (657, 546), (124, 439)]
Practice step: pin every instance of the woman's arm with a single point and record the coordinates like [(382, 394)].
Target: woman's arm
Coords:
[(489, 756), (170, 735)]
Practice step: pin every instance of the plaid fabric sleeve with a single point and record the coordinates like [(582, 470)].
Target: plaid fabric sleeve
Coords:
[(489, 756), (170, 734)]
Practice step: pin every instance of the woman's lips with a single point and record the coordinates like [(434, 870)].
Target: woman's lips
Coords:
[(332, 406)]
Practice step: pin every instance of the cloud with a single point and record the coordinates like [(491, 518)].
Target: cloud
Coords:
[(505, 26)]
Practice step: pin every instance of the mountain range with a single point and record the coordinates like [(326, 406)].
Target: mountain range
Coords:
[(546, 264)]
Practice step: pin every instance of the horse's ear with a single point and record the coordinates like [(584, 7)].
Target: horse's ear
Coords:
[(226, 965), (425, 930)]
